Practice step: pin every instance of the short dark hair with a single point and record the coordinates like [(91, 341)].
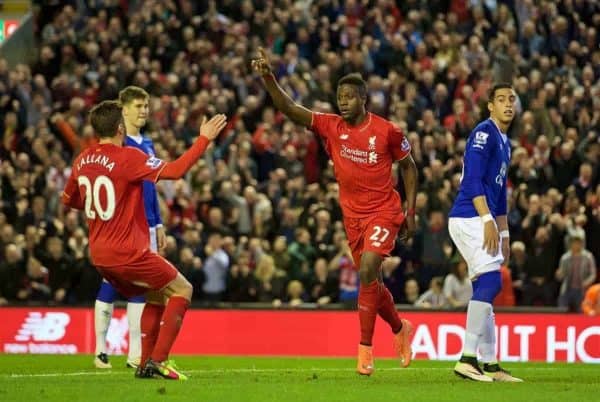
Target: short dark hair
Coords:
[(356, 80), (500, 85), (131, 93), (106, 118)]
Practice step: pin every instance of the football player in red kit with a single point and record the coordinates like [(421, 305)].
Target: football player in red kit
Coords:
[(106, 183), (363, 147)]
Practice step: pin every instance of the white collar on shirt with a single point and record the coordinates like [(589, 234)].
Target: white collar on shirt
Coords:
[(503, 135), (137, 138)]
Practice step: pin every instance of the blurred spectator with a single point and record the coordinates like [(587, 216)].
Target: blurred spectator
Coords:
[(270, 280), (325, 286), (434, 296), (63, 274), (411, 292), (216, 267), (577, 271), (583, 182), (347, 272), (436, 248), (295, 291), (457, 285), (36, 287), (518, 267), (12, 274), (190, 266), (280, 254), (302, 256), (242, 285), (539, 285)]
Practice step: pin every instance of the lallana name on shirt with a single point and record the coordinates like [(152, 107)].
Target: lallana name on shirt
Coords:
[(99, 159)]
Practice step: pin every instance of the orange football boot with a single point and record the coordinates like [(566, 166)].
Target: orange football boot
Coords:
[(402, 343), (365, 364)]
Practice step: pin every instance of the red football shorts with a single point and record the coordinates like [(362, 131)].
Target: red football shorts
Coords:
[(150, 269), (376, 233)]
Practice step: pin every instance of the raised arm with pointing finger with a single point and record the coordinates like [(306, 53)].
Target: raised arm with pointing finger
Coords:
[(295, 112)]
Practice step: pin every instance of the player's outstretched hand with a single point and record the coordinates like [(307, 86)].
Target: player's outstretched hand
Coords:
[(211, 128), (491, 238), (261, 65)]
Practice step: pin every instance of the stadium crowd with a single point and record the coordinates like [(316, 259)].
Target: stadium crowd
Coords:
[(257, 219)]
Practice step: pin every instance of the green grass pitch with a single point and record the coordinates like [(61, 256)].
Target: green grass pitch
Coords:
[(249, 379)]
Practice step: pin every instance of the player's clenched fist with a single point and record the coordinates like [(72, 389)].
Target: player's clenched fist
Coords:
[(261, 65), (211, 128)]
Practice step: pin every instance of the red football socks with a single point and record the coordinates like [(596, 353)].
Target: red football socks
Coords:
[(150, 324), (172, 319), (367, 311), (387, 310)]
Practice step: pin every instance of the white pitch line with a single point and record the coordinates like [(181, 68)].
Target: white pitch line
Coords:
[(255, 370)]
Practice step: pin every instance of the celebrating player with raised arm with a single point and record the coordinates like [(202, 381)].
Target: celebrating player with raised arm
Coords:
[(363, 147), (479, 228), (134, 101), (106, 182)]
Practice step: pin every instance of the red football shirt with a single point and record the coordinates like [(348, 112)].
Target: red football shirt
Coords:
[(362, 159), (106, 182)]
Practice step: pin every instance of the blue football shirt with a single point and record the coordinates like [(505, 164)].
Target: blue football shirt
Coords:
[(151, 205), (485, 167)]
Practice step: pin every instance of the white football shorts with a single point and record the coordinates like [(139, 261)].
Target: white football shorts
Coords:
[(467, 234)]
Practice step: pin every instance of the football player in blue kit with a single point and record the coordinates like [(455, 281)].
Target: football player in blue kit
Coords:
[(479, 228)]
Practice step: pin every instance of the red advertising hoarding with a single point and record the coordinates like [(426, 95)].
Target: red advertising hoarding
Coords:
[(438, 336)]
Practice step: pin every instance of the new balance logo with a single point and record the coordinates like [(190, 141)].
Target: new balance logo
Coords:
[(41, 327), (344, 137)]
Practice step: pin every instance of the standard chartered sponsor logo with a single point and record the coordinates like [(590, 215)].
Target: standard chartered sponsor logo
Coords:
[(358, 155), (355, 155)]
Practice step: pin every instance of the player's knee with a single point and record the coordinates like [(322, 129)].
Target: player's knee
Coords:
[(185, 289), (367, 274), (369, 266)]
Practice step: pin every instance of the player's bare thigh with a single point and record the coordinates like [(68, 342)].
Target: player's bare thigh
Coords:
[(156, 297), (179, 287)]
